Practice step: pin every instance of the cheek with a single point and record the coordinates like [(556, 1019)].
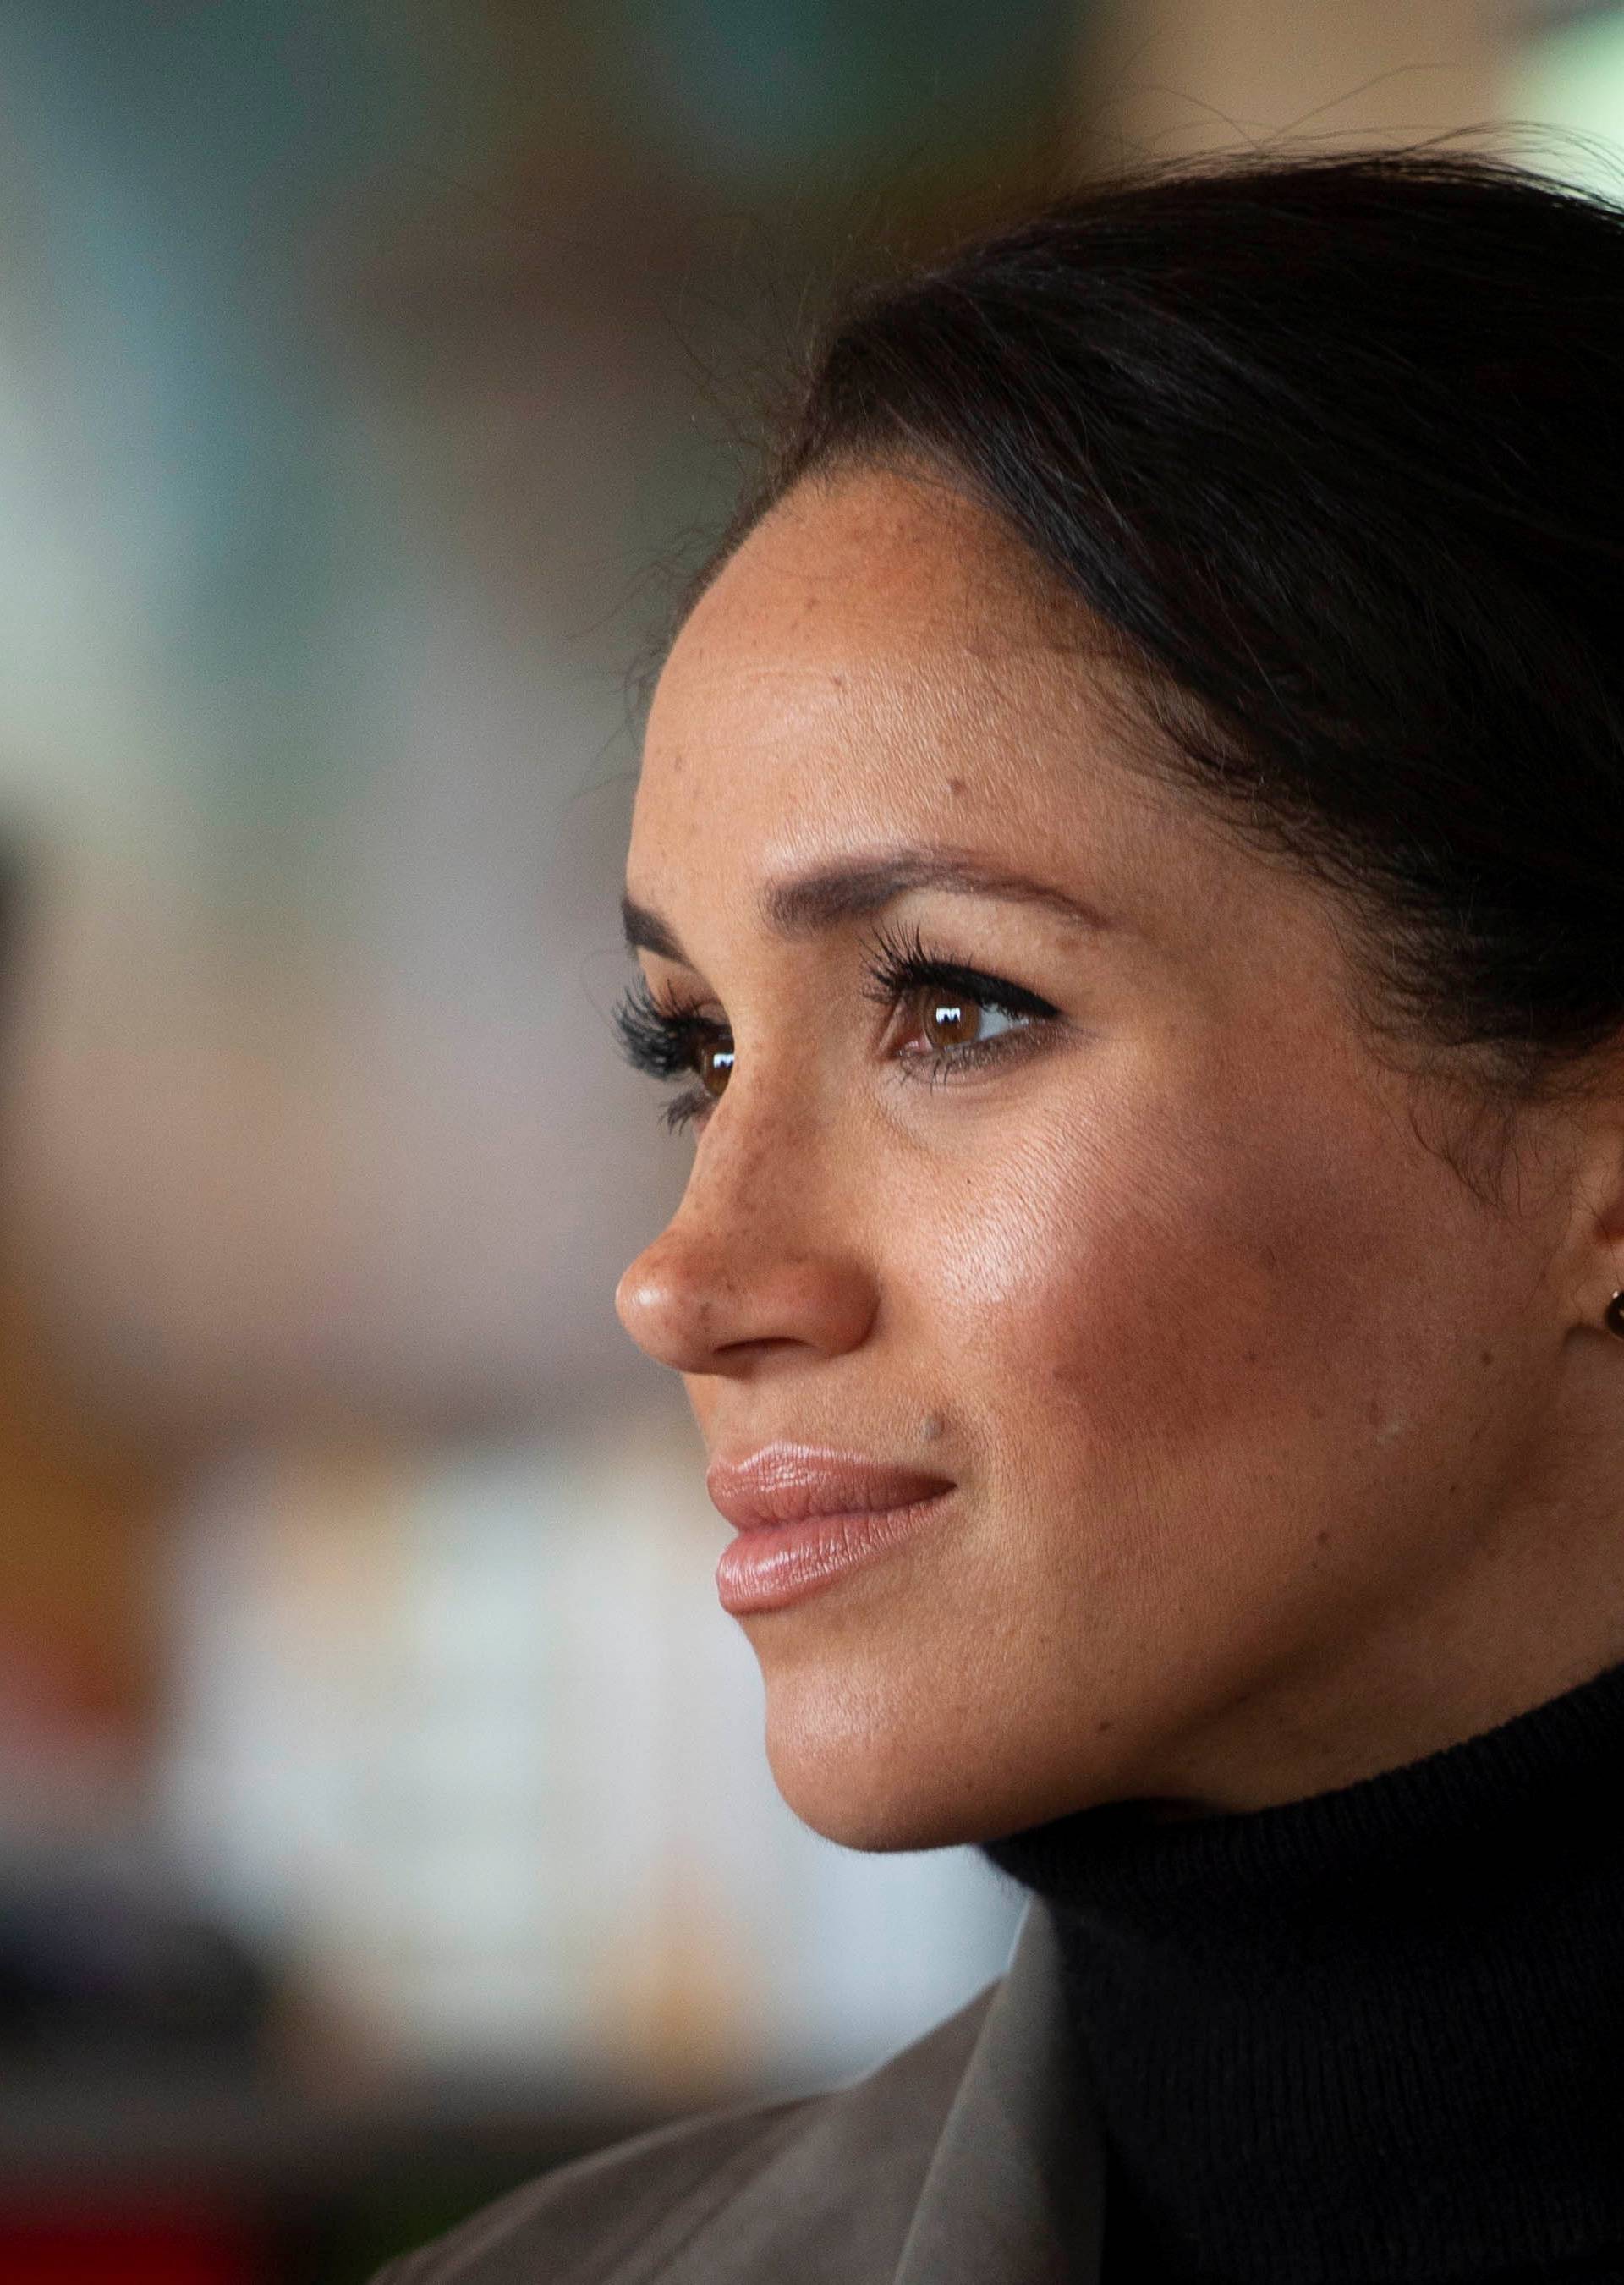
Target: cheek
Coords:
[(1162, 1281)]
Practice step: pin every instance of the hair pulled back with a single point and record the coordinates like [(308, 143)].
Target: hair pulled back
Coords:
[(1334, 448)]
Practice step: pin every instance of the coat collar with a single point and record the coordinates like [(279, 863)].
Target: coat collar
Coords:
[(1015, 2191), (974, 2157)]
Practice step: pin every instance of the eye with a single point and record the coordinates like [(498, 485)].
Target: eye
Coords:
[(713, 1062), (674, 1041), (957, 1018), (948, 1021), (954, 1019)]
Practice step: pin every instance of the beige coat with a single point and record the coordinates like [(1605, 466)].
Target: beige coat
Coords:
[(974, 2157)]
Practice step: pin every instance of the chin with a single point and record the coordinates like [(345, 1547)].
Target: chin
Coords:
[(882, 1780), (847, 1806)]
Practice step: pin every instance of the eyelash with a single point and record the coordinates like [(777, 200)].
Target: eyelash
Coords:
[(664, 1040)]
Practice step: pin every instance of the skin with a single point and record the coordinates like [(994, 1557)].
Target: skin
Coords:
[(1282, 1456)]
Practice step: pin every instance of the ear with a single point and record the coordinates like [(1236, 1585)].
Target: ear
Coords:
[(1597, 1230)]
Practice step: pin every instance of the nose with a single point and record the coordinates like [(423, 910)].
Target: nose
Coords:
[(746, 1270)]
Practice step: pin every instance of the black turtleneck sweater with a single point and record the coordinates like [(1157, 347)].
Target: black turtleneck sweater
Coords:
[(1375, 2035)]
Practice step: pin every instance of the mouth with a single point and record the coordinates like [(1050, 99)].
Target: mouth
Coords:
[(807, 1516)]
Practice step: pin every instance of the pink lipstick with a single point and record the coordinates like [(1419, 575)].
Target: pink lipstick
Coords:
[(806, 1517)]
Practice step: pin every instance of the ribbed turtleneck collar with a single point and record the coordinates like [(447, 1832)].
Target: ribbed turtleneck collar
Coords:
[(1374, 2035)]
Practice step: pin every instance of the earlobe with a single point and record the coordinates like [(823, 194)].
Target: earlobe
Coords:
[(1604, 1202)]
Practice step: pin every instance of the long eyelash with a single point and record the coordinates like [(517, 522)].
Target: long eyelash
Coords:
[(900, 967), (657, 1040), (663, 1042), (900, 964)]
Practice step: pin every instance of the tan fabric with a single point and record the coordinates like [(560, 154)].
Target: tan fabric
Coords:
[(974, 2157)]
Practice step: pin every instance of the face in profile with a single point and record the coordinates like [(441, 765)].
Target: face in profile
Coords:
[(1044, 1182)]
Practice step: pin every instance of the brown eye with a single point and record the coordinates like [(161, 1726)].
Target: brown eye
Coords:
[(949, 1023), (714, 1065), (949, 1020)]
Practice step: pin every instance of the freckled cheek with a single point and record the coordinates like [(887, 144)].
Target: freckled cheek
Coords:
[(1120, 1285)]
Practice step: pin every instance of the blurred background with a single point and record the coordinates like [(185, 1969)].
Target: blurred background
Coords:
[(382, 1810)]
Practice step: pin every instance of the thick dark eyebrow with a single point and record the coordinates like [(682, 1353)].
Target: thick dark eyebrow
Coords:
[(645, 931), (808, 904)]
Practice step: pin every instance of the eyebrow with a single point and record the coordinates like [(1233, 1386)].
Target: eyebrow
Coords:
[(810, 903)]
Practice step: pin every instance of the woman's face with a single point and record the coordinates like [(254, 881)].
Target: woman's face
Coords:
[(1226, 1371)]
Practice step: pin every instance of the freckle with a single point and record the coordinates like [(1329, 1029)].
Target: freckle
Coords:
[(1104, 1725), (1321, 1539), (1251, 1356), (1373, 1411), (1487, 1357), (932, 1427)]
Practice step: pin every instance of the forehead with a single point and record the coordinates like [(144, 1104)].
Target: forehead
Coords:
[(878, 642), (882, 664), (947, 566)]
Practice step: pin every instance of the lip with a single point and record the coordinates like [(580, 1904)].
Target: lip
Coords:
[(806, 1517)]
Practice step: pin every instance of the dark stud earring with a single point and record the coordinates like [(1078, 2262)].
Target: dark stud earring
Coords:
[(1614, 1318)]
